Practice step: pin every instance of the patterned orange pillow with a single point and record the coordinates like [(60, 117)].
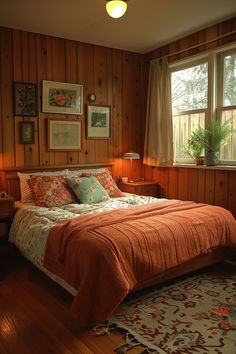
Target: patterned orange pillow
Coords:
[(50, 191), (108, 183)]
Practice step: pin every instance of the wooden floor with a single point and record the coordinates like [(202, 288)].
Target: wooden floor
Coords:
[(35, 317)]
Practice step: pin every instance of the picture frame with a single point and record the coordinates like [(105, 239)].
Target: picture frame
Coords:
[(63, 135), (98, 122), (24, 99), (61, 97), (27, 132)]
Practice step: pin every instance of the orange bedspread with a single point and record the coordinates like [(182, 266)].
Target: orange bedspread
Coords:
[(106, 255)]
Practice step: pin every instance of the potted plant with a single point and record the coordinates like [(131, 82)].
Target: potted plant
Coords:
[(212, 138), (194, 148)]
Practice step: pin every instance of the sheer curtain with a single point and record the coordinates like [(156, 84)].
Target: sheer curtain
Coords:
[(158, 148)]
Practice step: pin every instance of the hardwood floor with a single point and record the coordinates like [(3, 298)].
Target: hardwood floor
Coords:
[(35, 317)]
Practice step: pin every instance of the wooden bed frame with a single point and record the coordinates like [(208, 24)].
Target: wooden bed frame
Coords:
[(9, 182)]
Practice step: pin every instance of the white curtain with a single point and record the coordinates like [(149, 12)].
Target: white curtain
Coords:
[(158, 148)]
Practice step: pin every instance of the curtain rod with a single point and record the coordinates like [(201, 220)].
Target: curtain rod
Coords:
[(197, 45)]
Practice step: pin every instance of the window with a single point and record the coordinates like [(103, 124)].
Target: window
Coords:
[(189, 104), (203, 90), (227, 101)]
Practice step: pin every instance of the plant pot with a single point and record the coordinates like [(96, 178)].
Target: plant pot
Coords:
[(199, 160), (212, 158)]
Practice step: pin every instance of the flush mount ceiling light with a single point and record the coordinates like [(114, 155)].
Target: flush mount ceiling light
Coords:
[(116, 8)]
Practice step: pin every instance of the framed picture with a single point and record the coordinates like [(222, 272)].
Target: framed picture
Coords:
[(24, 99), (26, 132), (98, 122), (60, 97), (64, 135)]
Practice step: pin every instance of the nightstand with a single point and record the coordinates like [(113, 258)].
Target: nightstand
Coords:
[(148, 188), (7, 209)]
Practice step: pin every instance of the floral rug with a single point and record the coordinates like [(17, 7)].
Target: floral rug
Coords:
[(196, 314)]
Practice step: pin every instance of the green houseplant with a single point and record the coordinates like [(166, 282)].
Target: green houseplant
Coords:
[(212, 138), (194, 148)]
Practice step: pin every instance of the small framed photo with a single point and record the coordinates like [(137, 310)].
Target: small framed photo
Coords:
[(26, 132), (98, 122), (61, 97), (24, 99), (64, 135)]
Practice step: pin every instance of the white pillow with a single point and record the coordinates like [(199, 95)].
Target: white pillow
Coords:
[(25, 191), (91, 171)]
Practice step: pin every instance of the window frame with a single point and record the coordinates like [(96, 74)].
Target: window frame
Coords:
[(185, 64), (215, 107), (220, 108)]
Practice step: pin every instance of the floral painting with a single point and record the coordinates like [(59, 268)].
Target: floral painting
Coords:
[(24, 99), (65, 98)]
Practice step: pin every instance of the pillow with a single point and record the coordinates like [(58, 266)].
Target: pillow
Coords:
[(87, 189), (108, 183), (87, 171), (25, 191), (50, 191)]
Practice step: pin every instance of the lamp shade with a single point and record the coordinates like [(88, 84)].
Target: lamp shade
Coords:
[(116, 8), (131, 155)]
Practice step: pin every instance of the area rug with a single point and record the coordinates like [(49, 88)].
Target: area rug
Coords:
[(193, 315)]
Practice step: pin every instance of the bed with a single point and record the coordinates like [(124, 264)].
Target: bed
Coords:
[(102, 251)]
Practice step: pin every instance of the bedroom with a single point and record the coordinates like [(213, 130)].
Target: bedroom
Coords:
[(119, 79)]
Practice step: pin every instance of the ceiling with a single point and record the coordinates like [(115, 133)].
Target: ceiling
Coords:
[(147, 25)]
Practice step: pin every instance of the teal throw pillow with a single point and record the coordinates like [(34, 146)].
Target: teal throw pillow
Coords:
[(87, 189)]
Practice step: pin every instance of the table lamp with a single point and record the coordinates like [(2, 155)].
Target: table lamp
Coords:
[(131, 156)]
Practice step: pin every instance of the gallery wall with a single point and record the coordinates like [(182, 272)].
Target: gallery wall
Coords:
[(118, 78)]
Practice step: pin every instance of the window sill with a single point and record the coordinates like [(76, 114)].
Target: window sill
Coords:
[(204, 167)]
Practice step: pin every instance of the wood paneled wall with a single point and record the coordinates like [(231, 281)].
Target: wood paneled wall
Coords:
[(118, 78), (207, 39), (211, 186)]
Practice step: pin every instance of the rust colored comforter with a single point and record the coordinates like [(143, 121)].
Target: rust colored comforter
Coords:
[(107, 255)]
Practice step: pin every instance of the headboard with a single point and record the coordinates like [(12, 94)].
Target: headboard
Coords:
[(9, 181)]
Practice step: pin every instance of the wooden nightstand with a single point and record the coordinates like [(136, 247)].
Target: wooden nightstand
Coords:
[(148, 188), (7, 209)]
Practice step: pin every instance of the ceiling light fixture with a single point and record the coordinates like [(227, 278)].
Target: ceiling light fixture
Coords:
[(116, 8)]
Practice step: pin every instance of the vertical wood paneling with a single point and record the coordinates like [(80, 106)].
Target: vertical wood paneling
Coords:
[(1, 119), (131, 112), (193, 185), (183, 182), (6, 88), (173, 183), (232, 192), (110, 142), (210, 187), (86, 77), (71, 76), (58, 74), (117, 106), (17, 76), (44, 56), (101, 89), (221, 188), (201, 186), (32, 150)]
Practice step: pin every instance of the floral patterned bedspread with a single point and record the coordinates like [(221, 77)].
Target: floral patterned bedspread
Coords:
[(31, 224)]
